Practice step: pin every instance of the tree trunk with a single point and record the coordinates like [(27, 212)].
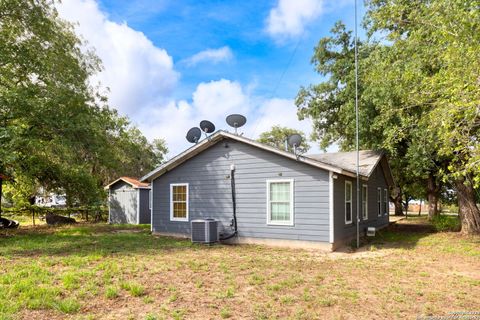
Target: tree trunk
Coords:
[(433, 190), (397, 201), (467, 207), (420, 208), (407, 201)]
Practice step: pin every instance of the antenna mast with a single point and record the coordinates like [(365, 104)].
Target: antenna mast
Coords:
[(356, 130)]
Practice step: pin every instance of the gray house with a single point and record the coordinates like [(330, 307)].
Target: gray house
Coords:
[(128, 201), (279, 198)]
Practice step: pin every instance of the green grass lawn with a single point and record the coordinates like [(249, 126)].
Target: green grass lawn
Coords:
[(123, 272)]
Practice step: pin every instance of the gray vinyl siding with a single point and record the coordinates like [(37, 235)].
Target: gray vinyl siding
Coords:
[(348, 231), (123, 203), (145, 213), (208, 176)]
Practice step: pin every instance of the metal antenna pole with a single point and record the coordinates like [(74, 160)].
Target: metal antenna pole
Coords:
[(356, 130)]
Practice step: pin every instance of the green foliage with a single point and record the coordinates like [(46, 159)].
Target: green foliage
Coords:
[(67, 305), (444, 223), (331, 104), (57, 131), (277, 135), (433, 60), (225, 313), (135, 289), (418, 90), (111, 292)]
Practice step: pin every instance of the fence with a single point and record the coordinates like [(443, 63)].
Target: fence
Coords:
[(94, 213)]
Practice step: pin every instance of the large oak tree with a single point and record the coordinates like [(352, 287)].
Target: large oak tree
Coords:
[(56, 130)]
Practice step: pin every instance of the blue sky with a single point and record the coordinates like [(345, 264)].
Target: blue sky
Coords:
[(181, 61)]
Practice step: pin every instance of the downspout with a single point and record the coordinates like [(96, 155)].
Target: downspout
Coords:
[(109, 205), (234, 206), (151, 205)]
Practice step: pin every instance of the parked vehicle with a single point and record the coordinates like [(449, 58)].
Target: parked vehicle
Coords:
[(51, 201)]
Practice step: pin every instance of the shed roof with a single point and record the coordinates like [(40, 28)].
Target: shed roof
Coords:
[(368, 159), (134, 182)]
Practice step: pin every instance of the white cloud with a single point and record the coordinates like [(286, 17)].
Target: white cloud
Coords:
[(289, 17), (213, 101), (141, 78), (210, 55), (137, 73)]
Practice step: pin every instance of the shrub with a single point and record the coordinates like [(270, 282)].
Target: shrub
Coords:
[(444, 223)]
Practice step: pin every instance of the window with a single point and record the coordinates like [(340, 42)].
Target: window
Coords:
[(280, 202), (385, 201), (365, 202), (379, 201), (348, 202), (179, 202)]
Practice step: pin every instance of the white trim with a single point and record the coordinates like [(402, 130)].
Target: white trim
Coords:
[(218, 136), (351, 202), (330, 205), (385, 201), (151, 209), (379, 201), (150, 198), (365, 214), (138, 206), (289, 222), (109, 205), (171, 202)]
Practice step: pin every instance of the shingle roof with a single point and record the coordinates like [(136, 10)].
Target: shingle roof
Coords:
[(348, 160), (335, 162), (134, 182)]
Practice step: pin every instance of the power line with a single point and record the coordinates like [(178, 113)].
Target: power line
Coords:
[(274, 91)]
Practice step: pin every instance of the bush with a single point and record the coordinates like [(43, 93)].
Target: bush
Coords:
[(443, 223)]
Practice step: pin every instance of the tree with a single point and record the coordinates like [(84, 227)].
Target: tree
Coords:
[(419, 96), (277, 136), (436, 46), (56, 130), (331, 105), (160, 149)]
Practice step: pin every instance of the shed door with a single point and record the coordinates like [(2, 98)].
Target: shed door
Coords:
[(123, 206)]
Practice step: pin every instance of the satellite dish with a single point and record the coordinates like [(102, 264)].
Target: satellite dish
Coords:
[(207, 126), (294, 140), (193, 135), (236, 121)]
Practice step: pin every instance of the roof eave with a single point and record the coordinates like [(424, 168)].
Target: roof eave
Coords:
[(126, 181), (219, 135)]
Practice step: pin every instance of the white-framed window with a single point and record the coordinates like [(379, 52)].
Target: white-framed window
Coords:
[(150, 199), (348, 202), (364, 202), (280, 202), (385, 201), (179, 202), (379, 201)]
